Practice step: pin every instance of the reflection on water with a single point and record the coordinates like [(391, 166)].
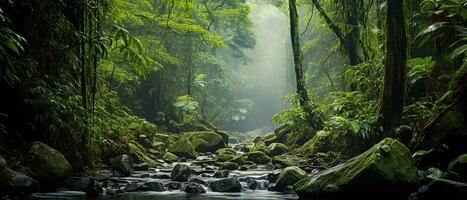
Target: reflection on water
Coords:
[(173, 195)]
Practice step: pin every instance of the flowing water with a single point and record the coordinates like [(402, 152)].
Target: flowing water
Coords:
[(201, 171)]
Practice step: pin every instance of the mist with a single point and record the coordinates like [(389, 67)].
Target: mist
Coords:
[(267, 73)]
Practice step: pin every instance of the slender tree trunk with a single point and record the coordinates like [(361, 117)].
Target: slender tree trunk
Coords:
[(352, 38), (189, 78), (314, 121), (395, 75), (297, 55)]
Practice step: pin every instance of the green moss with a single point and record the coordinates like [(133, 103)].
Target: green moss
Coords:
[(183, 148), (388, 161), (47, 163), (224, 157), (226, 151), (289, 176), (230, 166), (259, 146), (287, 160), (275, 149), (205, 141), (258, 157), (240, 159), (138, 154), (171, 157), (321, 142)]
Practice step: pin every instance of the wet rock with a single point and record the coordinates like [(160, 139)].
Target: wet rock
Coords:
[(243, 168), (183, 148), (153, 186), (47, 164), (251, 183), (276, 149), (181, 172), (258, 157), (230, 166), (131, 187), (122, 164), (171, 157), (226, 185), (387, 170), (269, 166), (161, 176), (143, 140), (141, 167), (194, 188), (238, 159), (12, 182), (145, 175), (272, 177), (85, 184), (288, 177), (221, 174), (253, 166), (459, 167), (173, 185), (441, 189), (197, 180)]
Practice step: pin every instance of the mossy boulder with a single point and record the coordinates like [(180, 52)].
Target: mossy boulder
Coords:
[(205, 141), (258, 157), (229, 151), (138, 154), (288, 177), (269, 138), (321, 142), (122, 164), (12, 182), (286, 160), (224, 136), (386, 169), (275, 149), (181, 172), (259, 146), (183, 148), (230, 166), (224, 157), (171, 157), (459, 167), (47, 164), (226, 185), (240, 159)]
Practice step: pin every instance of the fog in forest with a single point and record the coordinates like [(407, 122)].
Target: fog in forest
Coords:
[(266, 73)]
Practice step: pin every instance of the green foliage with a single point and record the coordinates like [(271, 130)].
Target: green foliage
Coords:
[(418, 113), (450, 18), (366, 77), (295, 117), (11, 46), (186, 108), (419, 68)]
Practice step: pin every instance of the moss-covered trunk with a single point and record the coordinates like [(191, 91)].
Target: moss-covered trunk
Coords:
[(395, 74)]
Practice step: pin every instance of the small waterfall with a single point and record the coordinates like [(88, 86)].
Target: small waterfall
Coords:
[(262, 184)]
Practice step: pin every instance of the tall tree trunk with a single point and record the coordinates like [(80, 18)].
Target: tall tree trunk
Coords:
[(314, 121), (352, 38), (189, 63), (395, 75), (297, 55)]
